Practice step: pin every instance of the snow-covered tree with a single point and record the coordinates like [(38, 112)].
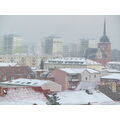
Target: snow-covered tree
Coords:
[(53, 99)]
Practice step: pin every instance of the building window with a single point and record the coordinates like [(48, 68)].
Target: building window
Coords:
[(4, 78), (94, 76), (12, 78)]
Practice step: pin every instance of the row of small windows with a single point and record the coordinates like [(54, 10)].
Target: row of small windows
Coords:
[(24, 82), (66, 62), (4, 78)]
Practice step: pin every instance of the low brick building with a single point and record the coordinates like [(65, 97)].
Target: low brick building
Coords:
[(37, 85), (70, 78), (39, 72), (112, 81), (15, 72), (110, 85)]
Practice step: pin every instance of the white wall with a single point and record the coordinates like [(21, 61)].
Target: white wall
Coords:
[(90, 76)]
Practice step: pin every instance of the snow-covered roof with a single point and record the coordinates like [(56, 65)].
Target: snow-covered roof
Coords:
[(71, 60), (25, 82), (112, 77), (37, 69), (22, 96), (112, 71), (7, 64), (78, 71), (33, 68), (92, 70), (44, 84), (113, 62), (72, 70), (40, 70), (81, 97), (87, 85)]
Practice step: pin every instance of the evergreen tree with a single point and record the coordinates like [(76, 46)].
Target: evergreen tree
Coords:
[(53, 100)]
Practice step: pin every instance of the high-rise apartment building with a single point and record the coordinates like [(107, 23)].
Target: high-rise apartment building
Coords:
[(88, 47), (53, 46), (93, 43), (84, 43), (66, 51), (1, 45), (12, 44)]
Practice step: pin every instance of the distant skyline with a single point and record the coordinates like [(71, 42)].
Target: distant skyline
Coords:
[(70, 27)]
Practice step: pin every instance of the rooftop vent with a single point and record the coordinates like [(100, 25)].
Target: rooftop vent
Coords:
[(28, 82), (89, 92)]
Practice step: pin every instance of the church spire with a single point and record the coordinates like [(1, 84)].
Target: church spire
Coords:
[(104, 27), (104, 38)]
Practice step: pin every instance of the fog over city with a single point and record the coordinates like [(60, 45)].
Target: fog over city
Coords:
[(70, 27), (59, 60)]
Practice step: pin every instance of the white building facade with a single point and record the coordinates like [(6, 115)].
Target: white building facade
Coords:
[(71, 62)]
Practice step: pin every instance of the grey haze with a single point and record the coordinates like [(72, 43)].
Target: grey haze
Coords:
[(70, 27)]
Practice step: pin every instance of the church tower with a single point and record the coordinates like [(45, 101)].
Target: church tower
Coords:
[(104, 48)]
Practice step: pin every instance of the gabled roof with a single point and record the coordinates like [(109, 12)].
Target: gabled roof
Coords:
[(78, 71)]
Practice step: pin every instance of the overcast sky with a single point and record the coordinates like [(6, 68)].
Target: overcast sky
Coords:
[(70, 28)]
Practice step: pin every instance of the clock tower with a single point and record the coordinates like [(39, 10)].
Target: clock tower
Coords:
[(104, 48)]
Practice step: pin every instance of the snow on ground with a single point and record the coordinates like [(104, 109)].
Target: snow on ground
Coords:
[(23, 96), (81, 97)]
